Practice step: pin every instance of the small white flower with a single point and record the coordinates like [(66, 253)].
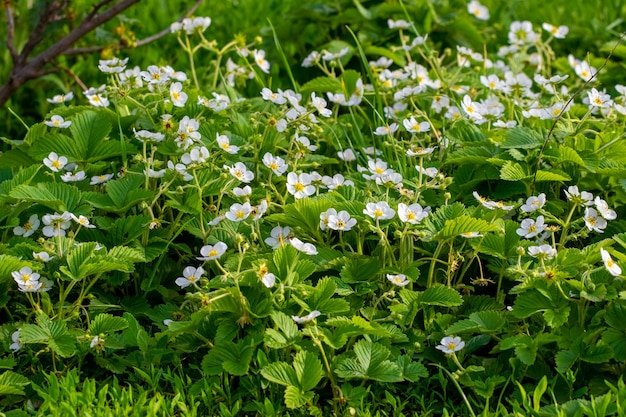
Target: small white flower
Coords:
[(413, 126), (224, 142), (60, 98), (55, 224), (449, 345), (429, 172), (477, 10), (604, 210), (190, 276), (210, 252), (96, 342), (386, 130), (16, 345), (73, 176), (347, 155), (610, 264), (28, 228), (42, 256), (275, 163), (531, 228), (534, 203), (341, 221), (55, 162), (470, 235), (100, 179), (583, 198), (242, 192), (239, 212), (412, 214), (593, 221), (311, 316), (542, 251), (25, 276), (178, 96), (278, 236), (241, 172), (379, 211), (472, 108), (559, 32), (306, 248), (259, 58), (299, 185), (400, 279), (58, 121)]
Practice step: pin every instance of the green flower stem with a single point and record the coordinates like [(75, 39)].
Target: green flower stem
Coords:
[(434, 259), (337, 393), (566, 226), (458, 387)]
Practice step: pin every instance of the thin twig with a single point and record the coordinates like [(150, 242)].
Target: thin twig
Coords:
[(152, 38), (96, 8), (11, 34), (565, 107)]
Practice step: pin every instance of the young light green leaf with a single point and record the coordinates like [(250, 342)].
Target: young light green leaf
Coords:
[(308, 370), (440, 296), (369, 363)]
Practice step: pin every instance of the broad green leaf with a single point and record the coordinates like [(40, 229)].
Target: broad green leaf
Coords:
[(9, 263), (12, 383), (348, 80), (89, 129), (107, 323), (512, 171), (286, 335), (554, 308), (321, 85), (370, 363), (308, 370), (280, 373), (321, 298), (234, 358), (360, 269), (126, 191), (78, 256), (616, 339), (295, 398), (553, 175), (31, 333), (290, 266), (522, 138), (467, 133), (64, 345), (525, 348), (599, 353), (60, 197), (440, 296), (22, 177), (616, 315), (565, 359), (499, 245), (411, 371), (464, 224)]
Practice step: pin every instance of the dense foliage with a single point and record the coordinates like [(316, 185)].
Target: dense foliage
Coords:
[(420, 213)]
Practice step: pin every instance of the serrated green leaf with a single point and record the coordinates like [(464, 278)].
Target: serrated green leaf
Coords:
[(233, 358), (503, 246), (292, 268), (107, 323), (12, 383), (464, 224), (522, 138), (60, 197), (64, 345), (348, 80), (89, 129), (280, 373), (512, 171), (564, 360), (31, 333), (554, 175), (616, 339), (370, 363), (411, 371), (9, 263), (126, 191), (440, 296), (308, 370), (295, 398), (78, 256), (599, 353)]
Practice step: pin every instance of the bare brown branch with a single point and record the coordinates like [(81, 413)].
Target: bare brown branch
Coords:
[(141, 42), (25, 70), (11, 33)]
